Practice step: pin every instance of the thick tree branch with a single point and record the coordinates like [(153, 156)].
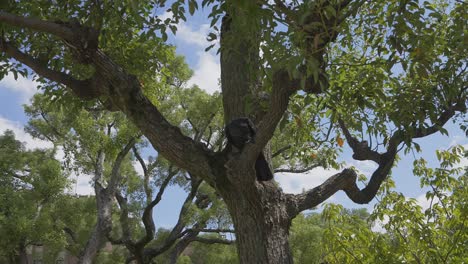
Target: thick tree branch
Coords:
[(346, 180), (124, 223), (285, 85), (35, 24), (84, 89), (123, 91), (126, 94), (361, 149)]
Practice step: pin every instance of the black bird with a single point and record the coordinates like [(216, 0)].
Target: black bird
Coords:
[(241, 131)]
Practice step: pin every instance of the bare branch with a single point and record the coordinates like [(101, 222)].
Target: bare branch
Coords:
[(209, 230), (346, 181), (297, 170), (147, 217), (140, 160), (176, 232), (207, 240)]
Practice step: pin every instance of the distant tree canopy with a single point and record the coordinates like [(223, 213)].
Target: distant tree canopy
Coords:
[(31, 185), (311, 75)]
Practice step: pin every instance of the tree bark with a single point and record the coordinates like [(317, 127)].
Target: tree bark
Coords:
[(261, 222), (258, 210), (23, 255)]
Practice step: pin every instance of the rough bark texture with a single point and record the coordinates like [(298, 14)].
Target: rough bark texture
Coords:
[(260, 211), (261, 222)]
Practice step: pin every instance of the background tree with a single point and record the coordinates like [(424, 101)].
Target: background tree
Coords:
[(357, 65), (31, 186), (101, 136)]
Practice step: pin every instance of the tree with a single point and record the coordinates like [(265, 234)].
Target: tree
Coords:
[(379, 73), (102, 153), (31, 184), (436, 234)]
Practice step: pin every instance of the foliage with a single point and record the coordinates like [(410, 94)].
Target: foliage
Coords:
[(214, 253), (334, 70), (412, 234), (31, 184)]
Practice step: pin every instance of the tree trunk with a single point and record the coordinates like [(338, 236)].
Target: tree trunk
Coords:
[(258, 210), (23, 255), (261, 221), (101, 229)]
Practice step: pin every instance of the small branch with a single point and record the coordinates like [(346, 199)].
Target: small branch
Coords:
[(296, 170), (176, 232), (71, 233), (126, 232), (146, 175), (281, 150), (203, 129), (115, 174), (352, 11), (140, 160), (147, 217), (207, 230), (206, 240)]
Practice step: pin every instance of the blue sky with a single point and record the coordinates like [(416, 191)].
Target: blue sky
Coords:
[(191, 42)]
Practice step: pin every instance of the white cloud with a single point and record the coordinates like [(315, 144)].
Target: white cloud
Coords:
[(207, 70), (190, 36), (378, 226), (424, 202), (82, 184), (21, 135), (136, 164), (26, 88), (207, 73), (297, 183), (366, 167)]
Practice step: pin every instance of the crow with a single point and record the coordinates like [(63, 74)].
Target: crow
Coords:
[(242, 131)]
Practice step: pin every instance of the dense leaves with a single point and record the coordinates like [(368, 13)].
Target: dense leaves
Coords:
[(31, 184), (313, 75)]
